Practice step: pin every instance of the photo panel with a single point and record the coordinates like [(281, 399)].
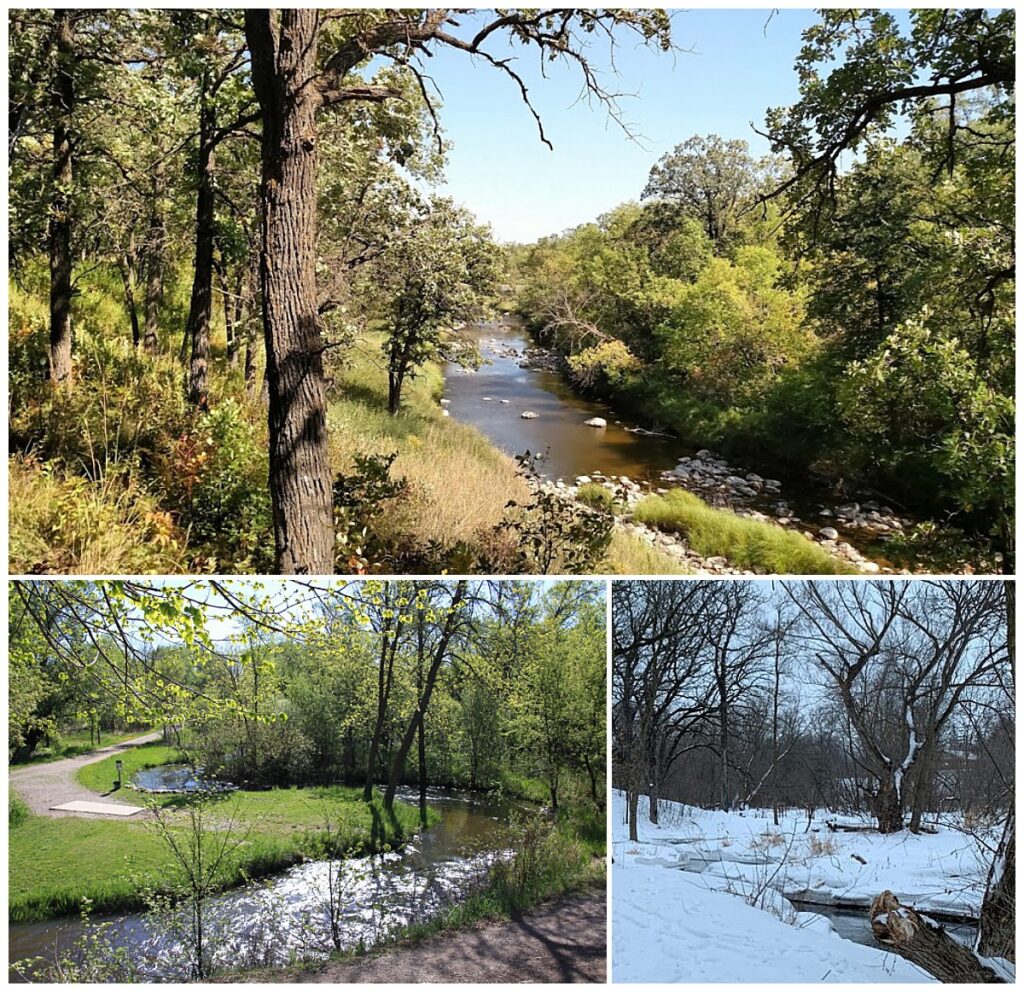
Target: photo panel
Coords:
[(812, 780), (340, 780)]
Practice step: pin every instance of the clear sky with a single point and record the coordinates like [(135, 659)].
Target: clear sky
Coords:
[(733, 65)]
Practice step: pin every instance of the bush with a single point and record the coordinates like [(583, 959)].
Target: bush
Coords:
[(17, 809), (359, 501), (746, 543), (215, 475)]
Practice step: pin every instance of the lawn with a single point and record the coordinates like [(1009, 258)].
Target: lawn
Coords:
[(74, 743)]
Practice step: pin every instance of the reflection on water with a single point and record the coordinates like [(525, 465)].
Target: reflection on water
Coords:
[(289, 917), (176, 778), (573, 448)]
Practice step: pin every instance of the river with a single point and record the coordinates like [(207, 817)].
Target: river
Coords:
[(286, 918), (559, 429)]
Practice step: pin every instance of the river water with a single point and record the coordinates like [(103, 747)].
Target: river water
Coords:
[(560, 426), (286, 917)]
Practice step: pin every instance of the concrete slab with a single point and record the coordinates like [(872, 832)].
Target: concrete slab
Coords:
[(105, 809)]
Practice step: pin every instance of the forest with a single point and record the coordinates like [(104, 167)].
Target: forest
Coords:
[(387, 756), (823, 727), (237, 290)]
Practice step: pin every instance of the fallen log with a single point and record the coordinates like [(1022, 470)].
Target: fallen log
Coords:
[(925, 943)]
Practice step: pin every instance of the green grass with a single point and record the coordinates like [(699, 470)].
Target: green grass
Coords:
[(748, 544), (519, 786), (629, 555), (76, 743), (56, 863), (17, 810), (100, 775)]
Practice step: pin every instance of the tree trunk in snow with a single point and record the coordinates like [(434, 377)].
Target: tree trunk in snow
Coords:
[(926, 944), (284, 65), (61, 264), (887, 807), (632, 801)]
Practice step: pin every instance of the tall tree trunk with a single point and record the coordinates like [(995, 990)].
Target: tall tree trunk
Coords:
[(200, 310), (997, 926), (126, 264), (156, 241), (284, 65), (632, 802), (61, 202), (887, 807), (440, 653)]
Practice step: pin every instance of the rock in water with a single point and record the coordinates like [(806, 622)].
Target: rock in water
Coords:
[(828, 533), (446, 402), (597, 422), (528, 415)]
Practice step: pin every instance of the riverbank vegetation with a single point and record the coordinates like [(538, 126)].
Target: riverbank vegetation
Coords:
[(308, 722), (853, 324), (905, 743)]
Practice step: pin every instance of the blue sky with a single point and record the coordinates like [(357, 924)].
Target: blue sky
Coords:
[(734, 64)]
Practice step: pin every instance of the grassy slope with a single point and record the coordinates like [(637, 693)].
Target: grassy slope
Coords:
[(746, 543), (55, 863)]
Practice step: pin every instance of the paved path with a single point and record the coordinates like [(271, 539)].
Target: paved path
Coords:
[(561, 941), (53, 783)]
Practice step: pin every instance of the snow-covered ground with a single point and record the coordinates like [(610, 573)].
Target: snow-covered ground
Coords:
[(681, 896)]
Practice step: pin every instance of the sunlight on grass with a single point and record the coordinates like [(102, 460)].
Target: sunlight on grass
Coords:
[(746, 543)]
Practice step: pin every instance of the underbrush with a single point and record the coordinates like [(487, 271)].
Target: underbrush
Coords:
[(748, 544)]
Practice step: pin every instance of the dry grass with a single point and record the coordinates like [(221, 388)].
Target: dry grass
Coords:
[(822, 846), (67, 524), (460, 482)]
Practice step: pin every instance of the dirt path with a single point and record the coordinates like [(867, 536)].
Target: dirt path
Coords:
[(53, 783), (561, 941)]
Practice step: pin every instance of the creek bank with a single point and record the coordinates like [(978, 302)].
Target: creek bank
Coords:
[(541, 412), (285, 916)]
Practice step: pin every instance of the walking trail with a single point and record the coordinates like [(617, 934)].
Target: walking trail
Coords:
[(53, 783), (561, 941)]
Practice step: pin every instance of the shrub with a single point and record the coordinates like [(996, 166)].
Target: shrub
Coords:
[(358, 506), (595, 495), (17, 809)]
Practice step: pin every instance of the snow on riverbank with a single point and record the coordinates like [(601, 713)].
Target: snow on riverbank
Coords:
[(680, 895), (939, 873), (667, 927)]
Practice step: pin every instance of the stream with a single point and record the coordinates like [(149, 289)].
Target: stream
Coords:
[(286, 917), (494, 398), (849, 922)]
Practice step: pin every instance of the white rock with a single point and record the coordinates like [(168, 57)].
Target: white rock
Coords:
[(583, 480), (446, 402), (486, 399), (504, 401), (828, 533), (597, 422), (528, 415), (445, 413)]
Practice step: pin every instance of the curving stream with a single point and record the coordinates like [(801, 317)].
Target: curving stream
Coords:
[(286, 918)]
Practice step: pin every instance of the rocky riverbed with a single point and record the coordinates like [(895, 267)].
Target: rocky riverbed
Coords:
[(747, 495)]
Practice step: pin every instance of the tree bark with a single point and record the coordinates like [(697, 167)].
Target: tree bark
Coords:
[(201, 306), (997, 926), (127, 267), (440, 653), (63, 97), (284, 57), (156, 241), (926, 944)]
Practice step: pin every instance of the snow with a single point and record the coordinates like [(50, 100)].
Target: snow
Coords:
[(705, 895)]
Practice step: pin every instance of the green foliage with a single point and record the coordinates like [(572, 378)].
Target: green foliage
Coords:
[(745, 543), (360, 500), (555, 535), (17, 809), (921, 396), (607, 363)]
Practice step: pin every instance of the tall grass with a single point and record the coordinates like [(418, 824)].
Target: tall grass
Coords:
[(746, 543), (629, 555)]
